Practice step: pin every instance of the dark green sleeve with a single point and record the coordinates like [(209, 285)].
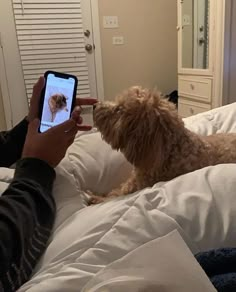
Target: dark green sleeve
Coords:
[(27, 213), (11, 144)]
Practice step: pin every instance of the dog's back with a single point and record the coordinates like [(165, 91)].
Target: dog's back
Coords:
[(222, 148)]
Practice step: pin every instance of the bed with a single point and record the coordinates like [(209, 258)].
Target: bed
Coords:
[(141, 242)]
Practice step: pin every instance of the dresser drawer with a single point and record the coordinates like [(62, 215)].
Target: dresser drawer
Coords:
[(189, 108), (196, 88)]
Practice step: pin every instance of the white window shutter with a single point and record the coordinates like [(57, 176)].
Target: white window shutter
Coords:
[(51, 37)]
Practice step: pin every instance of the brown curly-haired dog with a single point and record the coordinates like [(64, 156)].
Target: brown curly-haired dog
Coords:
[(152, 137)]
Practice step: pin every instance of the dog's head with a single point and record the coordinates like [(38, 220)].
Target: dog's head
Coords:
[(59, 101), (140, 124)]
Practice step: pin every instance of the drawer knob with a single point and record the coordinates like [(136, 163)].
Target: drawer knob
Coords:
[(192, 86), (191, 110)]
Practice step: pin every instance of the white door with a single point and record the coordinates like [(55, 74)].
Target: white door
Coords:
[(44, 35)]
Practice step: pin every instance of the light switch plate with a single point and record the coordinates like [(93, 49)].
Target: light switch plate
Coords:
[(110, 22)]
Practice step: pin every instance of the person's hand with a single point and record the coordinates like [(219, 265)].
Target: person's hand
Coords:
[(51, 145), (35, 100), (76, 114)]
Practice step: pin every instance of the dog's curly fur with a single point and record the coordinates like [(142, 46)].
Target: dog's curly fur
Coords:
[(152, 137)]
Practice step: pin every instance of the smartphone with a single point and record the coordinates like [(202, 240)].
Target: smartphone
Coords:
[(57, 99)]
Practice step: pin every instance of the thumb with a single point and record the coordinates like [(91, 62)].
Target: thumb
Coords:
[(33, 126)]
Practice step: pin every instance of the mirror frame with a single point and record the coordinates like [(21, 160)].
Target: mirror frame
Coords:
[(195, 71)]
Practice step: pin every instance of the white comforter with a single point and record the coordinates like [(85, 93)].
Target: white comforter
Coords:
[(92, 246)]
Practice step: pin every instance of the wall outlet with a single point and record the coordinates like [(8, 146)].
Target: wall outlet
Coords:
[(110, 22), (118, 40)]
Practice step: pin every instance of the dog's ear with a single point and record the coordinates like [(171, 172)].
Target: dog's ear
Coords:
[(139, 137)]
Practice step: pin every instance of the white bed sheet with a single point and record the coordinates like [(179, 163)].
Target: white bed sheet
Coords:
[(148, 267), (87, 239)]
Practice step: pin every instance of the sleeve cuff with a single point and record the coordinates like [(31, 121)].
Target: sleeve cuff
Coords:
[(36, 170)]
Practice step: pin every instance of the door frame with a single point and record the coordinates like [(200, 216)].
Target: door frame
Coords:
[(90, 12), (98, 48)]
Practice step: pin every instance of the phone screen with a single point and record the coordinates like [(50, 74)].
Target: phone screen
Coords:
[(58, 100)]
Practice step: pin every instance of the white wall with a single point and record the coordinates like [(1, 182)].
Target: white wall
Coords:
[(149, 54)]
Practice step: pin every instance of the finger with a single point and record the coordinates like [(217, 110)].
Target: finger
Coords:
[(86, 101), (77, 109), (84, 128), (80, 121), (76, 113), (38, 86), (33, 127)]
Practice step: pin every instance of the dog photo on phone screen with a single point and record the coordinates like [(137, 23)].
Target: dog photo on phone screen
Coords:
[(57, 103)]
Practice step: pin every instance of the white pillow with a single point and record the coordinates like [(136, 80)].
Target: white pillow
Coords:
[(198, 205), (218, 120), (147, 268), (96, 166)]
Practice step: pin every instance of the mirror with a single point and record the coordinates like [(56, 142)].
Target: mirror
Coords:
[(195, 34)]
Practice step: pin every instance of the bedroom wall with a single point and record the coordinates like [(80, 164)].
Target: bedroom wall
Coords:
[(149, 54)]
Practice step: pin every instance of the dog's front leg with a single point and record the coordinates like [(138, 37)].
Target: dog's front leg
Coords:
[(129, 187)]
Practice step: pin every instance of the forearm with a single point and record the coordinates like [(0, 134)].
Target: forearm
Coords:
[(11, 144), (27, 212)]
